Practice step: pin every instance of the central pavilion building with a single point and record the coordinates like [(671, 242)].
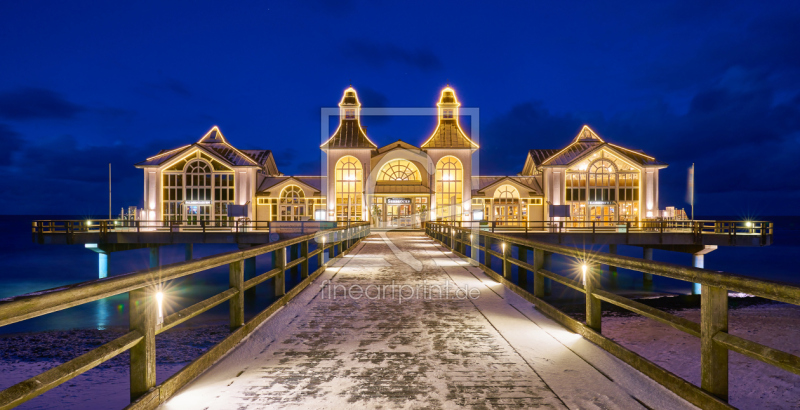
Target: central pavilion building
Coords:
[(400, 184)]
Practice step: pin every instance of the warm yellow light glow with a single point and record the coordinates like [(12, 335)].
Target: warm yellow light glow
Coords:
[(454, 107), (88, 223), (342, 118), (748, 224), (160, 301), (168, 152), (632, 151), (584, 268), (503, 245)]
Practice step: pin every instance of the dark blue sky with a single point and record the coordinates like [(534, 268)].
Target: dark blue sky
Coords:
[(83, 84)]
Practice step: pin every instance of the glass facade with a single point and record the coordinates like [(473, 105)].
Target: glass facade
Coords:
[(194, 190), (399, 170), (603, 189), (349, 178), (449, 177)]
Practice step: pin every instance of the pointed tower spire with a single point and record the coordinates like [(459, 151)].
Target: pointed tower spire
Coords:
[(448, 133), (350, 133)]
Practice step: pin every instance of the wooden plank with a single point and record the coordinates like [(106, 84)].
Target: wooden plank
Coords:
[(189, 312), (261, 278), (562, 280), (677, 322), (766, 354), (37, 385)]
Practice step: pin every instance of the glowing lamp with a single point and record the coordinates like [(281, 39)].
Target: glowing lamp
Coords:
[(748, 224), (503, 245), (88, 223), (160, 301), (584, 268)]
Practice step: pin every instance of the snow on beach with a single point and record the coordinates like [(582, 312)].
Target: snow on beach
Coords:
[(753, 384), (26, 355)]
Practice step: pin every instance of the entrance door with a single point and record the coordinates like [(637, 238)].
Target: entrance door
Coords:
[(398, 216), (605, 214), (292, 212), (506, 214), (197, 213)]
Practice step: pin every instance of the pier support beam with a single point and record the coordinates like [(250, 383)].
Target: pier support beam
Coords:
[(155, 256), (699, 261), (647, 277), (189, 251), (102, 265)]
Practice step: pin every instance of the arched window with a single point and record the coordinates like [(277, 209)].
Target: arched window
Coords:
[(292, 203), (449, 178), (198, 191), (399, 170), (349, 187), (506, 194), (602, 181), (292, 194)]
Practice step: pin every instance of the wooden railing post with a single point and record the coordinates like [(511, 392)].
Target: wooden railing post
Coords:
[(538, 278), (593, 304), (304, 255), (506, 249), (143, 317), (279, 262), (713, 355), (236, 277)]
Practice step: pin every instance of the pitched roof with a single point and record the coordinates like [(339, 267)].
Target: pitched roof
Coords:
[(448, 134), (585, 142), (350, 134), (532, 183), (215, 143), (269, 182)]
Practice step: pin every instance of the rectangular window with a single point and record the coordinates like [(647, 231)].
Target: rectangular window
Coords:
[(591, 194), (569, 195), (612, 195), (349, 114), (635, 194), (447, 114)]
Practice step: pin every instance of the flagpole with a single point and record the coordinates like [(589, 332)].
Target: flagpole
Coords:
[(693, 191)]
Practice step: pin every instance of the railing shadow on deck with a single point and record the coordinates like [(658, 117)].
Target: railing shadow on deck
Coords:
[(145, 321), (712, 330)]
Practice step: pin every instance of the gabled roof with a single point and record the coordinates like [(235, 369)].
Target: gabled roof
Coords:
[(585, 142), (312, 182), (483, 183), (214, 143)]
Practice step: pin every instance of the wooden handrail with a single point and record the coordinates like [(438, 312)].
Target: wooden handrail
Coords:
[(142, 286), (715, 340)]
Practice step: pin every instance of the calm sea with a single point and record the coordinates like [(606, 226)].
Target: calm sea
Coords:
[(28, 267)]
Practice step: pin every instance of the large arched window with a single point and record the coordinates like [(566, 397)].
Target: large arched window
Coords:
[(449, 179), (602, 181), (198, 191), (399, 170), (349, 187)]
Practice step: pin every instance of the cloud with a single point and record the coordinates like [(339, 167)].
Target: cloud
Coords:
[(36, 103), (380, 55), (167, 87), (11, 143)]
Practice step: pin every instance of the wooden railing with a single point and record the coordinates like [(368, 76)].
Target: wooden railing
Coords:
[(143, 287), (712, 330)]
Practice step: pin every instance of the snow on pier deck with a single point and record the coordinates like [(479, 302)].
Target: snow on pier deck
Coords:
[(388, 351)]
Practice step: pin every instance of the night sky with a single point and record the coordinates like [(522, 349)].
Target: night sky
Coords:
[(84, 84)]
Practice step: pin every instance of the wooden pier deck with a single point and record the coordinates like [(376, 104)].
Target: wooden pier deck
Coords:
[(488, 348)]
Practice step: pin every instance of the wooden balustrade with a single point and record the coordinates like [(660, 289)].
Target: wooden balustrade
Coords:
[(142, 288), (712, 330)]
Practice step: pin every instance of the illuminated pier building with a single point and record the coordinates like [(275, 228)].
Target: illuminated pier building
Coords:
[(400, 184)]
